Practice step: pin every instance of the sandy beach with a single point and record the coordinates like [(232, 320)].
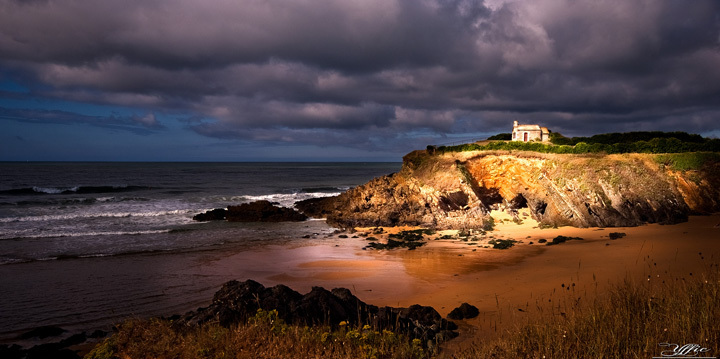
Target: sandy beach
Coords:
[(505, 285)]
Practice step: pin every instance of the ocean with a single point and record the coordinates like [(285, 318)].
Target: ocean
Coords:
[(86, 244)]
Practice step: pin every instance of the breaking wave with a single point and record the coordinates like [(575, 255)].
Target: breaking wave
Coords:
[(61, 217), (36, 190)]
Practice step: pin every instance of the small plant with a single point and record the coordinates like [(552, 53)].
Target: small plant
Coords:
[(489, 224)]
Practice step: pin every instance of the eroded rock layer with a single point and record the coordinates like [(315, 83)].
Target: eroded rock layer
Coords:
[(458, 190)]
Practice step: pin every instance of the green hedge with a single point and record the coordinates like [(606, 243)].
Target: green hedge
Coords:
[(631, 142)]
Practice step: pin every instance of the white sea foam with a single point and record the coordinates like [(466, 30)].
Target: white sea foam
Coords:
[(287, 199), (62, 217), (87, 233), (54, 190)]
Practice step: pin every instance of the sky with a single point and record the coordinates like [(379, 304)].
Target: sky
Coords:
[(343, 80)]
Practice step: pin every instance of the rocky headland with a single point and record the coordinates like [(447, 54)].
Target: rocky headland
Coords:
[(458, 190)]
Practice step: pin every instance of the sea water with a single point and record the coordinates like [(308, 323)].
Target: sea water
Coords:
[(85, 242)]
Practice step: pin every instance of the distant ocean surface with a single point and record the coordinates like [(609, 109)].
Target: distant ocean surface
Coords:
[(56, 216)]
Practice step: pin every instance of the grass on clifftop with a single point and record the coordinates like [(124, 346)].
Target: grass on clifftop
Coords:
[(628, 321), (610, 143), (687, 161)]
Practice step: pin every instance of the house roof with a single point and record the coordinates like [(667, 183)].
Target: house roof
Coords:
[(529, 128)]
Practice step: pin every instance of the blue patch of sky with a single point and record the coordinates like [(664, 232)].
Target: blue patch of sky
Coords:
[(9, 85)]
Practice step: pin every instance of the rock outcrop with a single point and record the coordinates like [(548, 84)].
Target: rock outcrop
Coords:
[(236, 302), (464, 311), (258, 211), (458, 190)]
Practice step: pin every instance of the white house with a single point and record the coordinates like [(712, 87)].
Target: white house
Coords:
[(528, 133)]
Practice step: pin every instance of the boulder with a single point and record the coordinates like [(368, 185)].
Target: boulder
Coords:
[(262, 211), (464, 311), (43, 332), (212, 215), (236, 302), (258, 211)]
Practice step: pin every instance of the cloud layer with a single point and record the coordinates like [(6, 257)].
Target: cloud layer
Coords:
[(378, 73)]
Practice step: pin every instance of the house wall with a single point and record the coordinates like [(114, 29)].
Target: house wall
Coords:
[(532, 135)]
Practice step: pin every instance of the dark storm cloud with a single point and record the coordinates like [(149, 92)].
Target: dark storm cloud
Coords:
[(192, 34), (357, 73)]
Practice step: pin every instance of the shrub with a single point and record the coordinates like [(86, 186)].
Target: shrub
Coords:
[(501, 137)]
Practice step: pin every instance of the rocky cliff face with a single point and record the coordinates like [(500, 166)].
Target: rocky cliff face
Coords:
[(458, 190)]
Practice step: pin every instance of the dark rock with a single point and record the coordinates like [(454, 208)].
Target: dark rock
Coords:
[(74, 340), (102, 334), (464, 311), (262, 211), (54, 351), (11, 351), (562, 239), (212, 215), (236, 302), (43, 332), (393, 244), (616, 235)]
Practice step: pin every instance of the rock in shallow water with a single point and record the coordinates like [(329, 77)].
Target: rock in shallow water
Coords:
[(217, 214), (258, 211)]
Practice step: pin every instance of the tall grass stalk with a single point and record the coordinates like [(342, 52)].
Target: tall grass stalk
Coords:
[(629, 322)]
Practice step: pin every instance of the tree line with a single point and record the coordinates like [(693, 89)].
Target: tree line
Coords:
[(627, 142)]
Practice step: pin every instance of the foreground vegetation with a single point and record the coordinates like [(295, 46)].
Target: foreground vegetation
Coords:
[(629, 321), (264, 336)]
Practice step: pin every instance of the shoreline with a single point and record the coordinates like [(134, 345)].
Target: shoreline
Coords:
[(445, 273)]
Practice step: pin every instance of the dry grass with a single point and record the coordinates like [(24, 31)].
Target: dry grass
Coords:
[(630, 321), (265, 336)]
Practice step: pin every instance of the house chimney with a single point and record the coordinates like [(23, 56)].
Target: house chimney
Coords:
[(514, 124)]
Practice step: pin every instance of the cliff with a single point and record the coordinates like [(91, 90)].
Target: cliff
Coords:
[(458, 190)]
